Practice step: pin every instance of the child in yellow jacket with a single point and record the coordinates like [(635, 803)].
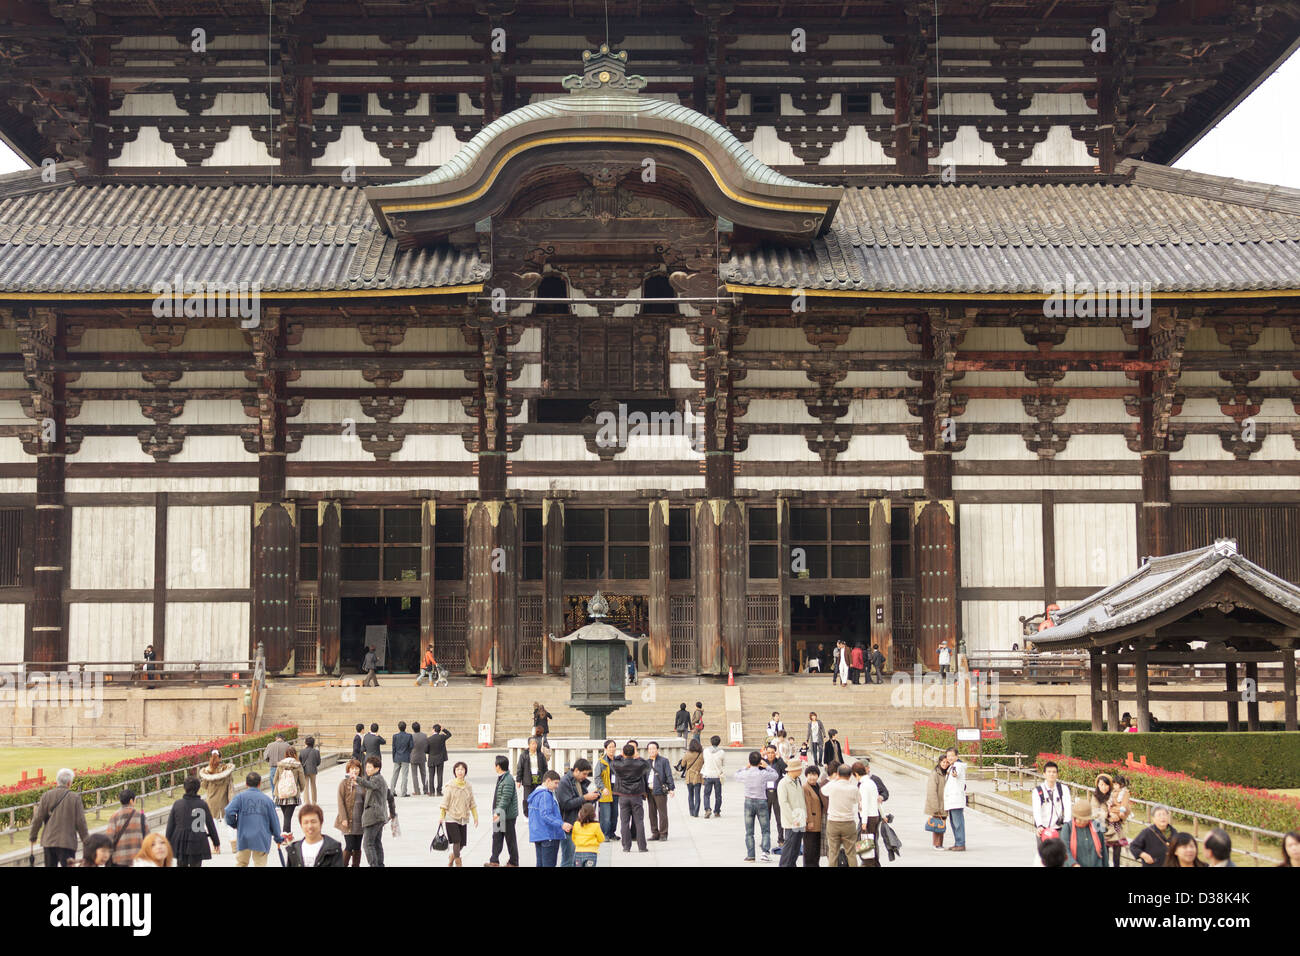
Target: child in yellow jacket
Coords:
[(587, 837)]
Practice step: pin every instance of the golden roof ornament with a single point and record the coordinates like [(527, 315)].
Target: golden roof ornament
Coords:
[(602, 71), (597, 607)]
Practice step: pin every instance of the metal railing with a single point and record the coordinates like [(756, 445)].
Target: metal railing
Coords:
[(897, 740), (1014, 776), (144, 786), (133, 673), (1066, 665)]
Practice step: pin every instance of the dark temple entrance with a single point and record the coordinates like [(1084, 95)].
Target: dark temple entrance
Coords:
[(818, 621), (357, 613)]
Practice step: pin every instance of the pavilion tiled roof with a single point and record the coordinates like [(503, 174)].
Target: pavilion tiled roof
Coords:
[(1159, 584)]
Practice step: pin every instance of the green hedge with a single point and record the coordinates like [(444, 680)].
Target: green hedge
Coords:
[(1256, 808), (1034, 737), (1267, 760), (134, 770)]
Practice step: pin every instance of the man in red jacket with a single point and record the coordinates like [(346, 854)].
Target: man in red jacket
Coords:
[(856, 663)]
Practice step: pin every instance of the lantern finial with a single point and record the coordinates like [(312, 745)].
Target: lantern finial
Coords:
[(597, 607)]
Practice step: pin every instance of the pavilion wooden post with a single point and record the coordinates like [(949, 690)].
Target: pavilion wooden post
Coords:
[(1252, 701), (1288, 687), (1094, 684), (1230, 673), (1112, 692), (1143, 693), (882, 623), (329, 521), (658, 599)]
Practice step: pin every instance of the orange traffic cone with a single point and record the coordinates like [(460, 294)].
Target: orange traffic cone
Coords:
[(731, 677), (846, 748), (489, 683)]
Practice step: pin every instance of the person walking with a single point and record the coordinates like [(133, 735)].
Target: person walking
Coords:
[(661, 787), (371, 744), (945, 658), (402, 744), (419, 759), (60, 813), (273, 754), (154, 851), (877, 664), (697, 721), (190, 826), (587, 837), (572, 795), (631, 774), (773, 759), (505, 811), (1084, 840), (218, 782), (936, 815), (309, 757), (682, 724), (815, 808), (856, 663), (437, 757), (546, 827), (1151, 846), (358, 744), (833, 749), (377, 808), (842, 801), (692, 764), (836, 653), (844, 664), (815, 737), (348, 818), (126, 830), (252, 814), (954, 799), (529, 770), (715, 765), (1048, 801), (370, 664), (757, 779), (606, 807), (868, 803), (794, 810), (288, 786), (774, 727), (457, 807), (427, 666), (314, 849), (542, 718), (149, 667)]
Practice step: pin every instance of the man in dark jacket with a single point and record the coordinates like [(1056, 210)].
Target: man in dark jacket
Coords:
[(877, 663), (505, 811), (314, 849), (419, 759), (309, 757), (437, 755), (630, 776), (682, 724), (774, 761), (369, 664), (190, 827), (376, 809), (401, 759), (358, 752), (60, 812), (660, 787), (371, 743), (571, 795)]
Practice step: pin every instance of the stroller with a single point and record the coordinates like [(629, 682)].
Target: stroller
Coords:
[(441, 678)]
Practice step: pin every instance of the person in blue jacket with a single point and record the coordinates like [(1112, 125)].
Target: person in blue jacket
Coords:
[(546, 826), (252, 814)]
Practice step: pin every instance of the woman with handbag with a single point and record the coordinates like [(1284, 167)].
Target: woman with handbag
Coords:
[(530, 769), (218, 781), (457, 807), (692, 767), (936, 817)]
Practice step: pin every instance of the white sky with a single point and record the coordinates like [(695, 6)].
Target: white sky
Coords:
[(1256, 141)]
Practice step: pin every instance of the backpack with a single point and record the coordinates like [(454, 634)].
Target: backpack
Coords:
[(1060, 795), (286, 785)]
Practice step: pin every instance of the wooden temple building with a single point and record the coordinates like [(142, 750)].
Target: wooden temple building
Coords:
[(315, 323)]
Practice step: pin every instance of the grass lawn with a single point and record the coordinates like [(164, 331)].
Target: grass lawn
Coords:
[(14, 760), (1294, 792)]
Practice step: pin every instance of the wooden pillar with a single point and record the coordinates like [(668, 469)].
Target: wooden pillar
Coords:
[(428, 573), (1252, 704), (882, 596), (329, 523), (1112, 693), (1230, 673), (159, 638), (492, 563), (553, 580), (720, 606), (936, 580), (1094, 684), (783, 577), (660, 636), (1288, 688), (1143, 692)]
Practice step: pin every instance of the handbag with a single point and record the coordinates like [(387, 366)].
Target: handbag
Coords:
[(936, 824), (440, 841)]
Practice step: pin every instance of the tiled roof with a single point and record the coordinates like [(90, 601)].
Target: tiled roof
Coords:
[(1177, 231), (124, 238), (1162, 583)]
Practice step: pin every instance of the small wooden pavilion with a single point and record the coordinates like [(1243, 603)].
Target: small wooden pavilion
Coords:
[(1204, 607)]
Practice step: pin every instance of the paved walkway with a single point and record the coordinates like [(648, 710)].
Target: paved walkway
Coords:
[(693, 841)]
